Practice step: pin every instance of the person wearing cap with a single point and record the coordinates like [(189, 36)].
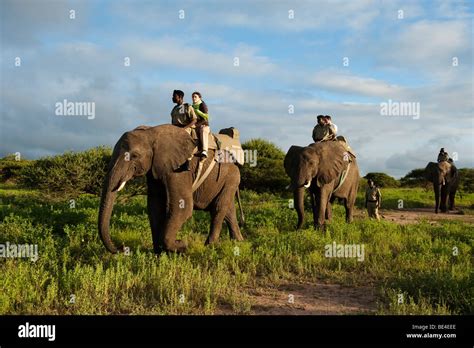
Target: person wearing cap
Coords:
[(443, 155), (202, 125), (373, 200)]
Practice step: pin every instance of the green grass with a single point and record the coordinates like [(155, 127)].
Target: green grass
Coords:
[(415, 261)]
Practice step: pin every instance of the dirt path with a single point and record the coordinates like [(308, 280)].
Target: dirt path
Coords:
[(310, 299), (414, 215), (326, 299)]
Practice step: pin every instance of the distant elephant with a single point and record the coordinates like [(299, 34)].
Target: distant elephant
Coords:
[(159, 153), (445, 179), (319, 167)]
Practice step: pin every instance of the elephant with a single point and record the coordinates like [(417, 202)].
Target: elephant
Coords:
[(445, 179), (160, 153), (319, 167)]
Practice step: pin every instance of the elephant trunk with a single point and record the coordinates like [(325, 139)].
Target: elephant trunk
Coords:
[(298, 195), (105, 211)]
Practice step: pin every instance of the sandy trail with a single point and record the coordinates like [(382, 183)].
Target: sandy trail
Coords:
[(327, 299), (414, 215)]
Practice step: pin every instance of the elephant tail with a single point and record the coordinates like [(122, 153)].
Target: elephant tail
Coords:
[(241, 217)]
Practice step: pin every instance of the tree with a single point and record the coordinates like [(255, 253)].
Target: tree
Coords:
[(415, 178), (382, 180), (268, 174)]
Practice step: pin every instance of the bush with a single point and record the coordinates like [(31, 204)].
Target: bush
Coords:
[(10, 168), (70, 173), (415, 178), (269, 174), (382, 180), (466, 180)]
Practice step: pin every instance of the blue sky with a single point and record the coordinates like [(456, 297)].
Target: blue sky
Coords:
[(283, 61)]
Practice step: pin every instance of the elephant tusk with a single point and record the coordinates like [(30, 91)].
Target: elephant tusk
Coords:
[(308, 184), (288, 187), (121, 185)]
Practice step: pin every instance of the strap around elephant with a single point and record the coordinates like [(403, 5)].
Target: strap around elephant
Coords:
[(199, 180), (342, 178)]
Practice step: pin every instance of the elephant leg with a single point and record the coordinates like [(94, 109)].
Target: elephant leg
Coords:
[(329, 212), (349, 203), (314, 208), (217, 218), (322, 200), (233, 225), (169, 241), (220, 209), (179, 209), (156, 206), (452, 195), (444, 198), (436, 189)]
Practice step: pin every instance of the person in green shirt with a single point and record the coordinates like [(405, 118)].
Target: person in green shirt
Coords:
[(202, 125)]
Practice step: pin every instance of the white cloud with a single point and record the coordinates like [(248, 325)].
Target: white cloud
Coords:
[(351, 84), (180, 54)]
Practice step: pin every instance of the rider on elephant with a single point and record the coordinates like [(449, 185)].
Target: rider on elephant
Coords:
[(323, 131), (330, 124), (443, 155), (202, 126), (183, 116)]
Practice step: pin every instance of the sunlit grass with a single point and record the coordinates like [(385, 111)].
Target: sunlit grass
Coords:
[(430, 266)]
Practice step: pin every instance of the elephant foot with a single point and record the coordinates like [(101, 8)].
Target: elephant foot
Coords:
[(236, 236), (178, 246), (210, 241), (320, 227)]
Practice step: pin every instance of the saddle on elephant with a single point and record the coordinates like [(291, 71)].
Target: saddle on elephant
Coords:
[(227, 147)]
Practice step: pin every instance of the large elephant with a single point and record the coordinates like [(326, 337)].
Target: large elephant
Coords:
[(159, 153), (320, 167), (445, 179)]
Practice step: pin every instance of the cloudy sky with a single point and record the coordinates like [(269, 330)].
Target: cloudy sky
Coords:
[(342, 58)]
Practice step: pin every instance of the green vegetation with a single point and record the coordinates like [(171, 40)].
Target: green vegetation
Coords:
[(382, 180), (269, 174), (414, 260), (70, 173), (53, 202)]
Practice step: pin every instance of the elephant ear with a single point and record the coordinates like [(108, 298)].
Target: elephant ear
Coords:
[(431, 170), (291, 161), (332, 158), (172, 147)]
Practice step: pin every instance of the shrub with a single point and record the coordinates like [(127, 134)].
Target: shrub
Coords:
[(415, 178), (382, 180), (269, 174), (10, 168), (69, 173)]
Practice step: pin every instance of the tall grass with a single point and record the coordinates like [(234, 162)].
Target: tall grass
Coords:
[(75, 275)]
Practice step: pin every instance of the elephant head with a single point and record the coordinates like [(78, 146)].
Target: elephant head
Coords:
[(162, 149), (318, 163), (444, 177)]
